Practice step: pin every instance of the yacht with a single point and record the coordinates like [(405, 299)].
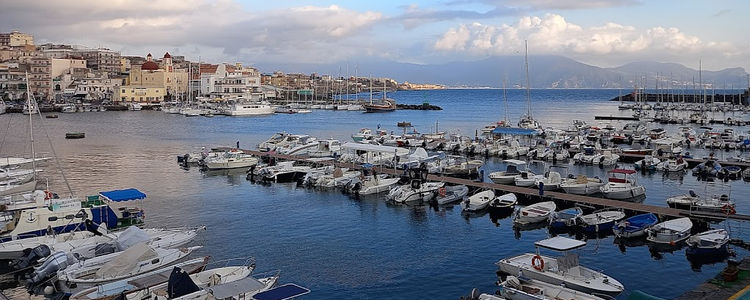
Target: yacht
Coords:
[(231, 159), (240, 108)]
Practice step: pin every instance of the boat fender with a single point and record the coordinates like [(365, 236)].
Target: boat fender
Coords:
[(442, 191), (538, 263)]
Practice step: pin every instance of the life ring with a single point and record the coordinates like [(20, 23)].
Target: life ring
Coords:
[(728, 209), (442, 191), (48, 195), (537, 262)]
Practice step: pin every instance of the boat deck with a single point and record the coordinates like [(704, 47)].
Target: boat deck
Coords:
[(529, 192)]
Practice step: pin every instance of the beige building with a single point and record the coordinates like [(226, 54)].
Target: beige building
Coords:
[(145, 95), (65, 65), (16, 39), (150, 74)]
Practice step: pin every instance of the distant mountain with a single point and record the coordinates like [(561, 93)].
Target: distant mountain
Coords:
[(547, 71)]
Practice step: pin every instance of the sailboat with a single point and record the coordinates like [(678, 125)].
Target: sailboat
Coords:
[(385, 104), (505, 122), (527, 121)]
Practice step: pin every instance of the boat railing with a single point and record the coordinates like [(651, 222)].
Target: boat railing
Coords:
[(237, 261), (272, 273)]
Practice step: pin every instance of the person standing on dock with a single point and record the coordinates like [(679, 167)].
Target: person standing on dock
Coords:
[(238, 144)]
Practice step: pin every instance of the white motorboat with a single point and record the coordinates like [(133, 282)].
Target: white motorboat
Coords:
[(508, 176), (562, 270), (670, 232), (416, 191), (136, 260), (372, 184), (140, 282), (298, 145), (648, 163), (601, 221), (582, 185), (450, 194), (478, 201), (339, 178), (231, 159), (325, 148), (526, 178), (622, 187), (514, 288), (691, 201), (283, 172), (607, 158), (134, 106), (535, 213), (550, 182), (673, 165), (242, 108)]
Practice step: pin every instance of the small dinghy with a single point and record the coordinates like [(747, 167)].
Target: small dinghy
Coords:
[(535, 213), (709, 168), (565, 218), (601, 221), (712, 242), (478, 201), (504, 203), (450, 194), (670, 232), (674, 165), (731, 172), (635, 226), (514, 288)]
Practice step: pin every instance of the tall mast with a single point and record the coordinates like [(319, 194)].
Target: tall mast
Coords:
[(370, 89), (505, 99), (528, 90), (31, 125)]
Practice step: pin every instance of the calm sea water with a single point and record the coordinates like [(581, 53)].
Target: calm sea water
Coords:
[(338, 246)]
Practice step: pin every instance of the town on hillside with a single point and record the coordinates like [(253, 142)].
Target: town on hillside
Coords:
[(60, 74)]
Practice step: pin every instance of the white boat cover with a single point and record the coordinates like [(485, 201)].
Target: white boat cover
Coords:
[(131, 236), (514, 161), (235, 288), (679, 225), (560, 243), (126, 261)]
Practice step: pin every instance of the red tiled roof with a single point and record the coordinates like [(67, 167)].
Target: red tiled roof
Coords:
[(150, 66)]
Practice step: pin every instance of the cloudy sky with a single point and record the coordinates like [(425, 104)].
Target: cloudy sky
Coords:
[(600, 32)]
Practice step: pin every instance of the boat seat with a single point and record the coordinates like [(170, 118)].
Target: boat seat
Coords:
[(581, 179), (617, 180)]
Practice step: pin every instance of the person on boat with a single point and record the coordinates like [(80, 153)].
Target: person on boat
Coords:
[(238, 144)]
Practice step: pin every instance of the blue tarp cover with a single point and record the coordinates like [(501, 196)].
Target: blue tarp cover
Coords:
[(286, 291), (514, 131), (123, 195)]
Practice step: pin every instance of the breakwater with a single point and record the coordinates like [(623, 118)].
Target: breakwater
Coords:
[(697, 97)]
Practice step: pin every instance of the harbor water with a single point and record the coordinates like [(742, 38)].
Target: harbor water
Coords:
[(338, 246)]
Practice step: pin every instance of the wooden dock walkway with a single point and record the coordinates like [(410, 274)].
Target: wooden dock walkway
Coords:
[(529, 192)]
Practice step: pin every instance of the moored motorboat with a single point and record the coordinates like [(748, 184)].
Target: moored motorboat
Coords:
[(565, 218), (601, 221), (622, 185), (504, 203), (534, 213), (670, 232), (514, 288), (450, 194), (478, 201), (712, 242), (508, 176), (563, 270), (635, 226), (582, 185)]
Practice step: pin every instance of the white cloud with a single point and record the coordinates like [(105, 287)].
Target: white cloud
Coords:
[(552, 34), (309, 32)]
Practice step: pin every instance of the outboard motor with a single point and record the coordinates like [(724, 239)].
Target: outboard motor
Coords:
[(31, 256), (54, 263), (692, 193), (180, 284)]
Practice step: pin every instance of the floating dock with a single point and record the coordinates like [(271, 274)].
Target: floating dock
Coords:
[(618, 118), (529, 192)]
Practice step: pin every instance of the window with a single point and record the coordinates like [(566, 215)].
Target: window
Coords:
[(52, 219), (123, 90)]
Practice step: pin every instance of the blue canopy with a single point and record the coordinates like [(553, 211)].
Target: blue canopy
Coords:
[(123, 195), (286, 291), (514, 131)]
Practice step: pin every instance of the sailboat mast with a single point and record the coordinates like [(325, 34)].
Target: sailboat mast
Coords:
[(505, 104), (370, 89), (528, 90), (31, 125)]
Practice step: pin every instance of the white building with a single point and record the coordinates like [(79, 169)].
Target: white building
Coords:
[(230, 81)]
